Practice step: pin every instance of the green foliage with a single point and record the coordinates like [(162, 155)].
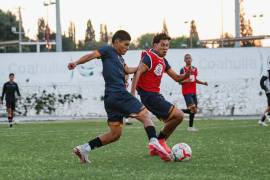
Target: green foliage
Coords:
[(45, 102), (145, 41), (179, 42), (233, 150), (8, 20)]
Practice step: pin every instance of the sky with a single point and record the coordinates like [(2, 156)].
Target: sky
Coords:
[(143, 16)]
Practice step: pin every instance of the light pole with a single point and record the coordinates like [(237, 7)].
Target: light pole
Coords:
[(58, 28), (13, 29), (237, 22), (58, 24)]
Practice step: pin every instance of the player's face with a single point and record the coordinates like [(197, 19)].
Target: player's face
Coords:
[(188, 60), (162, 47), (122, 46), (11, 78)]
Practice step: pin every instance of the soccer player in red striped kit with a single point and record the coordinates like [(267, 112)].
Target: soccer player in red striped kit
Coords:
[(147, 82), (189, 90)]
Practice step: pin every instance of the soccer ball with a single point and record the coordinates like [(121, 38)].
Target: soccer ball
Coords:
[(181, 152)]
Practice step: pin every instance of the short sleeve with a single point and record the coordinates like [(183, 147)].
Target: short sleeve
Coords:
[(104, 50), (147, 61), (167, 65), (182, 71)]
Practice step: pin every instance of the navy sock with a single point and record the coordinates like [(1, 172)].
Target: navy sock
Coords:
[(161, 135), (95, 143), (151, 132), (191, 119), (187, 111), (263, 118)]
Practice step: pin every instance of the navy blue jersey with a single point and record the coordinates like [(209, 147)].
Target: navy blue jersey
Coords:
[(113, 69), (9, 90)]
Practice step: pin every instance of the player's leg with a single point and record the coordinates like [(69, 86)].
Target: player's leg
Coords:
[(136, 110), (9, 111), (193, 110), (113, 135), (191, 106), (162, 109), (176, 116), (263, 117)]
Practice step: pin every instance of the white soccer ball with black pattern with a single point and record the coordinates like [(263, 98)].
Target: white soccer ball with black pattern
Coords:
[(181, 152)]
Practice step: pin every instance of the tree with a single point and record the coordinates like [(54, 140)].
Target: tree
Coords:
[(193, 36), (179, 42), (71, 32), (145, 41), (164, 28), (104, 33), (89, 33), (41, 29), (7, 21), (246, 29)]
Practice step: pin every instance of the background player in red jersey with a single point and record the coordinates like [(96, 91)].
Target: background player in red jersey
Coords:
[(147, 82), (189, 90)]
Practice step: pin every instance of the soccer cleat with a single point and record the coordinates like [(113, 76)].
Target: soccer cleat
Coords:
[(162, 153), (152, 150), (81, 153), (192, 129), (163, 143), (262, 123)]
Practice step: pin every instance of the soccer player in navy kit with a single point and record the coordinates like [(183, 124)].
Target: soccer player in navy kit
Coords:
[(147, 82), (117, 100), (265, 85), (9, 90)]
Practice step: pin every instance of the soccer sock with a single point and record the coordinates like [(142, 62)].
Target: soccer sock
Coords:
[(161, 135), (151, 132), (94, 143), (187, 111), (191, 119), (263, 118), (10, 121)]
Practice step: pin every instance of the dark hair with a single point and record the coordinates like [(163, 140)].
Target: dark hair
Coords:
[(160, 36), (11, 74), (187, 55), (121, 35)]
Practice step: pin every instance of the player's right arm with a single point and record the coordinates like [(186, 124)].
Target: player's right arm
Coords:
[(3, 93), (84, 59), (263, 78), (141, 69)]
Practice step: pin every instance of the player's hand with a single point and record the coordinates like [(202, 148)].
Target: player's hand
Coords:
[(205, 83), (71, 65)]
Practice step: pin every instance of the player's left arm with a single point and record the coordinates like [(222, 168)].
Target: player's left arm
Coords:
[(176, 77), (17, 90), (201, 82), (130, 70), (141, 70)]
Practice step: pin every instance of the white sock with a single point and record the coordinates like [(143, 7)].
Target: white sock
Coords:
[(87, 147)]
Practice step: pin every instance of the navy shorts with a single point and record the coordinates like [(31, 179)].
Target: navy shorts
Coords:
[(121, 104), (191, 99), (10, 104), (156, 104)]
